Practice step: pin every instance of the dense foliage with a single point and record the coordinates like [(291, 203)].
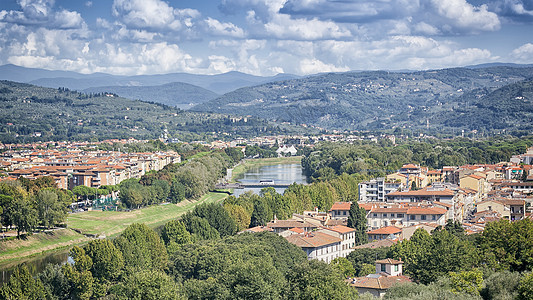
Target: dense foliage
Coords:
[(27, 204)]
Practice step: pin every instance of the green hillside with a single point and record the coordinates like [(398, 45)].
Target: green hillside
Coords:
[(30, 113), (374, 100)]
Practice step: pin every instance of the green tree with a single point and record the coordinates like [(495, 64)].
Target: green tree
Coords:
[(148, 284), (200, 228), (107, 259), (174, 234), (343, 266), (468, 282), (56, 285), (22, 286), (262, 213), (79, 276), (240, 216), (23, 215), (364, 257), (51, 210), (217, 217), (357, 220), (525, 289), (142, 248), (317, 280), (177, 192), (501, 286)]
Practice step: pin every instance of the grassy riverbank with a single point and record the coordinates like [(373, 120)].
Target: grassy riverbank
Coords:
[(250, 163), (106, 223)]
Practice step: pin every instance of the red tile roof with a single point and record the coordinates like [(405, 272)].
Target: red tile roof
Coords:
[(341, 206), (386, 230)]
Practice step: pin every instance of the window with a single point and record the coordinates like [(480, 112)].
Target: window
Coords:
[(344, 213), (375, 215), (423, 217), (392, 215), (384, 215), (412, 217), (395, 268), (383, 268), (433, 217), (399, 215)]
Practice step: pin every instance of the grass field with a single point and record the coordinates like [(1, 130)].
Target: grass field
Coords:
[(249, 163), (110, 223), (39, 243), (106, 223)]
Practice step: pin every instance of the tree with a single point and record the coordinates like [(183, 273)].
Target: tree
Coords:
[(142, 248), (501, 286), (468, 282), (357, 220), (148, 284), (55, 283), (23, 215), (22, 285), (174, 234), (261, 214), (177, 192), (525, 289), (240, 216), (217, 217), (200, 228), (79, 276), (366, 256), (51, 210), (317, 280), (343, 266), (107, 259)]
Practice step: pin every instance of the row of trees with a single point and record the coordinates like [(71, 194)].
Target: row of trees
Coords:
[(328, 160), (176, 182), (136, 265), (27, 204)]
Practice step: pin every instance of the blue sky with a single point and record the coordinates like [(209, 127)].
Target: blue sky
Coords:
[(262, 37)]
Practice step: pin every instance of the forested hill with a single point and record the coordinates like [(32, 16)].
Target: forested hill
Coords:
[(385, 100), (31, 113), (179, 94)]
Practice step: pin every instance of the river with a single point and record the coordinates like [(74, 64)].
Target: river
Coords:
[(280, 174)]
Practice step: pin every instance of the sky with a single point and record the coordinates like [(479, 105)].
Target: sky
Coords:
[(262, 37)]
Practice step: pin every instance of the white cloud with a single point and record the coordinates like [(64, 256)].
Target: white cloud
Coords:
[(224, 29), (523, 54), (41, 13), (313, 66), (463, 15), (145, 14)]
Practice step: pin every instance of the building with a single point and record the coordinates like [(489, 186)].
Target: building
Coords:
[(345, 234), (510, 209), (317, 245), (389, 232), (279, 226), (388, 273), (340, 210), (377, 189)]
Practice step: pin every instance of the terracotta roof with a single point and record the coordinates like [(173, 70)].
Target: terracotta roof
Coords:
[(290, 224), (423, 192), (297, 230), (341, 206), (389, 261), (426, 211), (312, 240), (389, 210), (386, 230), (380, 283), (410, 166), (378, 244), (341, 229), (475, 176)]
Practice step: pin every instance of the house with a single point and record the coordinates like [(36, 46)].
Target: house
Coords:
[(345, 234), (317, 245), (388, 273), (510, 209), (430, 194), (475, 182), (281, 225), (406, 214), (340, 210), (389, 232)]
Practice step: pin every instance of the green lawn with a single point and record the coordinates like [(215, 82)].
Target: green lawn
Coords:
[(39, 243), (110, 223)]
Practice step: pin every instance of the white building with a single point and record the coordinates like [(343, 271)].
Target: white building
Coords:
[(377, 189)]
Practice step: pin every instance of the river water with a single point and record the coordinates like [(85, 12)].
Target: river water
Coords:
[(280, 174)]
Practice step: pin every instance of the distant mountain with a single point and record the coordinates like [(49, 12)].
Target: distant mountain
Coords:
[(32, 113), (220, 83), (499, 64), (382, 100), (178, 94)]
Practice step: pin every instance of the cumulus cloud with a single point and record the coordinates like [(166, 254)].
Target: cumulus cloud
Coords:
[(523, 53), (142, 14), (41, 13), (224, 29), (515, 10)]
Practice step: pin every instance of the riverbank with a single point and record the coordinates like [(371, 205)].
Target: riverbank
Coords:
[(250, 163), (98, 223)]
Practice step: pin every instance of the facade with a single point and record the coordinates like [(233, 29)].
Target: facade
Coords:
[(345, 234), (389, 232), (510, 209), (377, 189), (340, 210), (317, 245), (388, 273)]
